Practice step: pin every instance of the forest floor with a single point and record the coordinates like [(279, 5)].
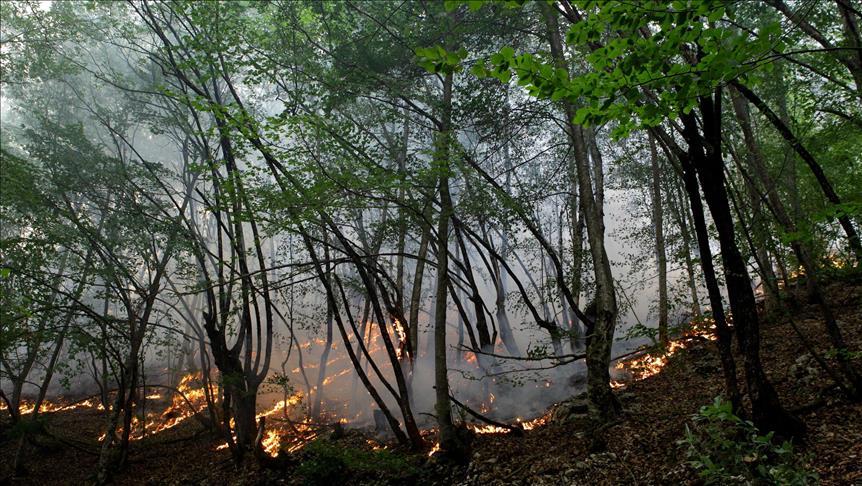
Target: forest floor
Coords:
[(641, 445)]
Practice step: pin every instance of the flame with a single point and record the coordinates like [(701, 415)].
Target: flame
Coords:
[(650, 364), (281, 405), (26, 407), (489, 429), (330, 379), (402, 338), (519, 422), (532, 424), (271, 443), (434, 449), (176, 412), (374, 445)]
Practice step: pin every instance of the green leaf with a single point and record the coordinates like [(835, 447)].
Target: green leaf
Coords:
[(716, 15)]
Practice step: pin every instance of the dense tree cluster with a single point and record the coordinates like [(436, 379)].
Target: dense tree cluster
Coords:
[(213, 184)]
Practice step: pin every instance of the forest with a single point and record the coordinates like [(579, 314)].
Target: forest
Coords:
[(398, 242)]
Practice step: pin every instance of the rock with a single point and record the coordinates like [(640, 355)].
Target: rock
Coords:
[(805, 369), (569, 409)]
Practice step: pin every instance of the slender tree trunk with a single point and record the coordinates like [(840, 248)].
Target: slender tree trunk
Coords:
[(853, 384), (602, 403), (722, 330), (500, 280), (681, 213), (324, 357), (577, 264), (450, 444), (418, 276), (661, 256)]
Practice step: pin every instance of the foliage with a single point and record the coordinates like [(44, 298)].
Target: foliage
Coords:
[(641, 331), (725, 449), (326, 462), (659, 57)]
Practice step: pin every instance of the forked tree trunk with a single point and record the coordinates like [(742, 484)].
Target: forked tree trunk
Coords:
[(705, 153), (722, 330)]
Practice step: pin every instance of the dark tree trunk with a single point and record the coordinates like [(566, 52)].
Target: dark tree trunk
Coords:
[(705, 153)]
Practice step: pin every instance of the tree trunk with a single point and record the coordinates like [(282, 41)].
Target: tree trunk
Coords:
[(705, 153), (602, 403), (681, 213), (661, 256), (449, 442), (853, 384), (419, 274), (722, 330)]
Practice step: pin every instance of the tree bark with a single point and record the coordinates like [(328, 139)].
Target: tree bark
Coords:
[(661, 256), (852, 384), (602, 403), (449, 442), (706, 156)]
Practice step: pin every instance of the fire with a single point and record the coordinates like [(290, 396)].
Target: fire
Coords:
[(650, 364), (519, 422), (489, 429), (374, 445), (402, 337), (330, 379), (27, 408), (285, 435), (532, 424), (281, 405), (176, 412), (290, 440), (271, 442), (434, 449)]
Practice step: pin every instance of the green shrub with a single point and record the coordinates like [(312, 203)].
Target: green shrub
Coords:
[(724, 449), (326, 462)]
